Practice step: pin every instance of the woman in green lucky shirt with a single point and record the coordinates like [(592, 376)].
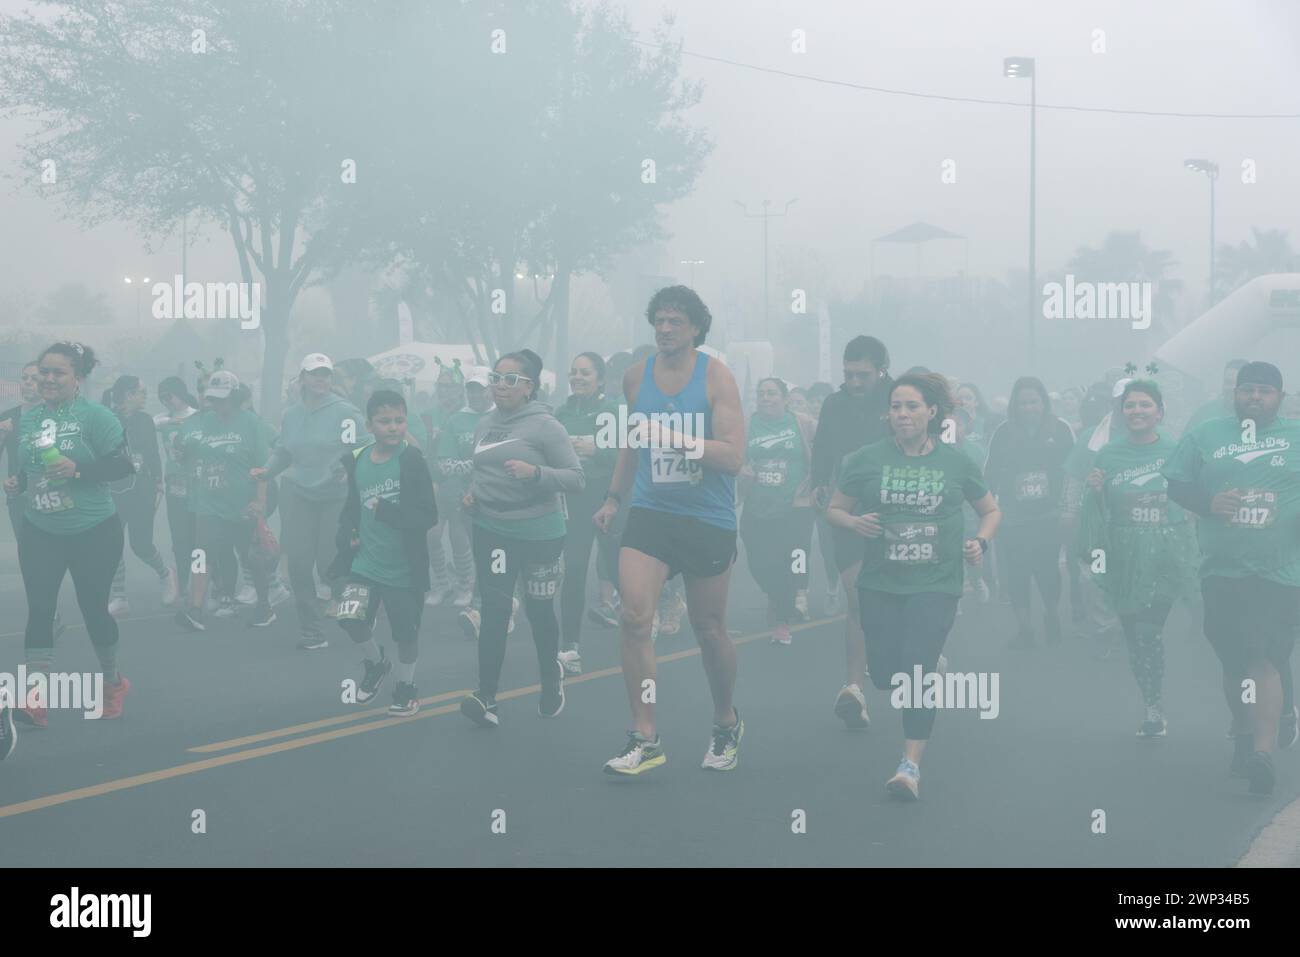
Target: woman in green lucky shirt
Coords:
[(911, 488), (582, 416), (1142, 540), (71, 448), (777, 518)]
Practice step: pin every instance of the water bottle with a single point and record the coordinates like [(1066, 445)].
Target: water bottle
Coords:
[(47, 454)]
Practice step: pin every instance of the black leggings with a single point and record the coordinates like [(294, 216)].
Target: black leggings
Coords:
[(91, 557), (582, 535), (1031, 552), (498, 563), (903, 631), (770, 546), (226, 544), (180, 522), (1146, 649)]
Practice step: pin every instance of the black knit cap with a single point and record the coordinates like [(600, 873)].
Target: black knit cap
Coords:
[(1260, 373)]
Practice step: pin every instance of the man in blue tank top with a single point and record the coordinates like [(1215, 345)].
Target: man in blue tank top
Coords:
[(680, 459)]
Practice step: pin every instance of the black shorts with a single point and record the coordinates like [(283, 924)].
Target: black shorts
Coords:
[(684, 543), (1250, 618)]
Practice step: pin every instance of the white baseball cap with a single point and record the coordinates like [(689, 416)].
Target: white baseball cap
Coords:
[(478, 375), (317, 360), (221, 385)]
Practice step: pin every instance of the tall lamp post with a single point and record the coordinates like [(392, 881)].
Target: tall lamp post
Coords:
[(139, 289), (765, 216), (1022, 67), (1211, 170)]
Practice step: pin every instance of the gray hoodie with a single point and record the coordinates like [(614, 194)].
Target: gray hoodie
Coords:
[(530, 434), (310, 445)]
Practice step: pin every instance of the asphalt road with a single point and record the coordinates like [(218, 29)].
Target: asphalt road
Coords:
[(240, 724)]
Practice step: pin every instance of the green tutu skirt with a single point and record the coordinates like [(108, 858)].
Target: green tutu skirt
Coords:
[(1144, 563)]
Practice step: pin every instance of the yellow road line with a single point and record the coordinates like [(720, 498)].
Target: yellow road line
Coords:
[(194, 767)]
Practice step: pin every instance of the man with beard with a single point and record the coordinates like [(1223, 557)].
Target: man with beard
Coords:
[(1241, 474), (850, 418)]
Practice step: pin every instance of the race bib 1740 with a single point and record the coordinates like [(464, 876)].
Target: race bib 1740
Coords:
[(671, 466)]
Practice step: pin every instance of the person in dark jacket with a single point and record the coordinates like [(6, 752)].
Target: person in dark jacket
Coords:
[(1026, 471), (850, 418), (383, 550), (137, 497)]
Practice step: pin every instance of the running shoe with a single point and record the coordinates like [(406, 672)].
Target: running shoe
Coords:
[(801, 603), (833, 603), (438, 595), (373, 679), (639, 755), (724, 746), (671, 623), (552, 700), (247, 594), (605, 614), (905, 785), (469, 623), (263, 616), (279, 593), (1288, 728), (313, 643), (406, 700), (171, 588), (228, 608), (1154, 725), (8, 733), (571, 660), (119, 607), (781, 634), (33, 716), (1243, 746), (851, 707), (1259, 770), (481, 710), (462, 597), (114, 692), (191, 619)]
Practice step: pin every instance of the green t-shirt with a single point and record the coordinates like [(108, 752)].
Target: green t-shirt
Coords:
[(919, 500), (1263, 537), (382, 555), (456, 444), (775, 452), (219, 454), (84, 432), (1134, 490)]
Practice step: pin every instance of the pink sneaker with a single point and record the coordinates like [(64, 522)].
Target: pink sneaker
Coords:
[(781, 635), (113, 695)]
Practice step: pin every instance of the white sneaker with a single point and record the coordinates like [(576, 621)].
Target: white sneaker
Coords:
[(171, 588), (247, 594), (906, 782), (279, 593), (228, 608), (571, 660), (118, 607), (463, 597), (437, 595), (851, 707)]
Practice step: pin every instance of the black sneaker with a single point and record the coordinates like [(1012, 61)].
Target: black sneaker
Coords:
[(1259, 769), (482, 711), (313, 643), (191, 619), (1288, 729), (552, 701), (8, 733), (1243, 746), (373, 679), (406, 700), (263, 616)]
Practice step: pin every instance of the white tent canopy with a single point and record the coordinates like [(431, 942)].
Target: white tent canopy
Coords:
[(418, 361)]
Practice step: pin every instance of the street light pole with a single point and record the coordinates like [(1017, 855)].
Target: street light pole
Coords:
[(767, 317), (1211, 170), (1021, 67)]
